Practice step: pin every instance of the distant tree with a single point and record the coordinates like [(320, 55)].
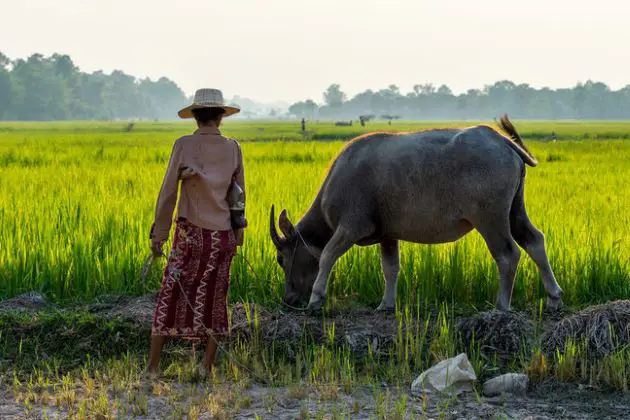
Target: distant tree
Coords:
[(297, 109), (426, 89), (53, 88), (444, 91), (305, 109), (162, 98), (124, 95), (63, 66), (50, 88), (5, 87), (395, 90), (334, 97), (38, 93), (623, 101)]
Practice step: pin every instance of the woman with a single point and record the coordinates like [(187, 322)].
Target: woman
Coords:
[(192, 302)]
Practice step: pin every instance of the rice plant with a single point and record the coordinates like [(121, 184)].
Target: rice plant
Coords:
[(77, 200)]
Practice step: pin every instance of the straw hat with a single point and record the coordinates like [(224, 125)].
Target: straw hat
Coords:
[(207, 98)]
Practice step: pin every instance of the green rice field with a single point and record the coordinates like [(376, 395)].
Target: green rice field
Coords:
[(77, 201)]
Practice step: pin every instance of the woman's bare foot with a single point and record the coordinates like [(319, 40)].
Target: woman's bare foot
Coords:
[(210, 356), (150, 374), (153, 369), (204, 370)]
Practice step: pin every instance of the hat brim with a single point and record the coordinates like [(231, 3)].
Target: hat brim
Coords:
[(187, 112)]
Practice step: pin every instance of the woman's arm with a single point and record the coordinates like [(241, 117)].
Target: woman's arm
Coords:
[(240, 171), (167, 198), (239, 176)]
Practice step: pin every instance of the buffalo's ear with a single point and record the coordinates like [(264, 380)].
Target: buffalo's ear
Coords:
[(286, 226)]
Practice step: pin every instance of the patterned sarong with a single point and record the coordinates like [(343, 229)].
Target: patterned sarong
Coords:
[(200, 261)]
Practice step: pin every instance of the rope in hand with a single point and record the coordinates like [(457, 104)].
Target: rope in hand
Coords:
[(280, 301), (146, 268)]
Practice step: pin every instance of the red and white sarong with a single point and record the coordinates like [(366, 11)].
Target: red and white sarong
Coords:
[(200, 261)]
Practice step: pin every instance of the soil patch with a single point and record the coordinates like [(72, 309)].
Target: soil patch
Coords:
[(135, 309), (357, 329), (546, 403)]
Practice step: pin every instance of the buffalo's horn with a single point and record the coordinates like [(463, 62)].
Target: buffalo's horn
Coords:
[(272, 229)]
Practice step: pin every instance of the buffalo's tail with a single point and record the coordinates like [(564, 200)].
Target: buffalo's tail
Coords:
[(517, 144)]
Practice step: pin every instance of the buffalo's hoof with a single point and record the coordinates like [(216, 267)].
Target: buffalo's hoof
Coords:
[(383, 308), (502, 306), (554, 304), (314, 307)]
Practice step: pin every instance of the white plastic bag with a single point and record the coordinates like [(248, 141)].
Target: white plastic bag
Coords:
[(456, 372)]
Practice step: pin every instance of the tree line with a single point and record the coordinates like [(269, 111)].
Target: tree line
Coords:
[(53, 88), (590, 100)]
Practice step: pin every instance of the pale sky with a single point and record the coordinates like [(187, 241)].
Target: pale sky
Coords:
[(293, 49)]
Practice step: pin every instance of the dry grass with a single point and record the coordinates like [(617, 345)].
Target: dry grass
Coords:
[(299, 391), (505, 333), (604, 328)]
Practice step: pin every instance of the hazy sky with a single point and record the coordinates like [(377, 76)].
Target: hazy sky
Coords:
[(293, 49)]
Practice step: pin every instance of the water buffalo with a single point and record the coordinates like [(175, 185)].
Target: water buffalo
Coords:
[(427, 187)]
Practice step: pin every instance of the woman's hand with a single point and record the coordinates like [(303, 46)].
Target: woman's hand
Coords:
[(187, 172), (156, 247)]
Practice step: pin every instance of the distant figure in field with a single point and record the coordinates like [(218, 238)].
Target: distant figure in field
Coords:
[(192, 301), (363, 119), (303, 124)]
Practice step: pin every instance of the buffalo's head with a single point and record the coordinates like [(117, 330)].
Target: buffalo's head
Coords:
[(299, 261)]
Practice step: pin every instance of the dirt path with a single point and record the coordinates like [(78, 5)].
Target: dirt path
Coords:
[(566, 402)]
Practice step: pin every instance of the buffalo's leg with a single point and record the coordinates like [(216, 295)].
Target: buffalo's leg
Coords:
[(390, 263), (507, 255), (341, 241), (533, 242)]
